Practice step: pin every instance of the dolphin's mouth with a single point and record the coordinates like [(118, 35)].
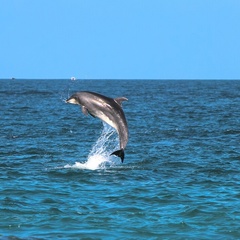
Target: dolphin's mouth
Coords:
[(71, 100), (67, 100)]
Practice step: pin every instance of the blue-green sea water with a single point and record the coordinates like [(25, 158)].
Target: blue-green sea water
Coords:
[(180, 178)]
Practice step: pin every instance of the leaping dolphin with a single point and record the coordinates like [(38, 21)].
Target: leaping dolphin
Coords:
[(108, 110)]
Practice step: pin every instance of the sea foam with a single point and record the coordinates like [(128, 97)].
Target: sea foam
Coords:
[(99, 155)]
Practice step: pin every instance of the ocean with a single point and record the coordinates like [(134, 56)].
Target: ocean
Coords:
[(180, 178)]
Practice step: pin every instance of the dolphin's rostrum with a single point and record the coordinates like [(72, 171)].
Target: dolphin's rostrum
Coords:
[(108, 110)]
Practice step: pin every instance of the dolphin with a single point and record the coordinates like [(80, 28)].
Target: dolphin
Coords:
[(108, 110)]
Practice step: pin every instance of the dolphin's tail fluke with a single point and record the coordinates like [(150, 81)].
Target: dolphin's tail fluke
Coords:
[(119, 153)]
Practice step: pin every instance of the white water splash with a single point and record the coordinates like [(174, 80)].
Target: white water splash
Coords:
[(99, 155)]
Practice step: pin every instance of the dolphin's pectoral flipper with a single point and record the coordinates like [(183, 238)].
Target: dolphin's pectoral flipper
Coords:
[(119, 153), (92, 114), (84, 110), (119, 100)]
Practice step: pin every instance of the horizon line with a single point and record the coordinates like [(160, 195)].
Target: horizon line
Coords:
[(127, 79)]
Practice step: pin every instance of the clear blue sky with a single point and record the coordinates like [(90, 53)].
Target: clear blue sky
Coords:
[(123, 39)]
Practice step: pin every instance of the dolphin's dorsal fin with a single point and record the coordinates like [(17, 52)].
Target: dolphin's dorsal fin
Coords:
[(119, 100)]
